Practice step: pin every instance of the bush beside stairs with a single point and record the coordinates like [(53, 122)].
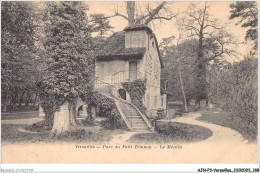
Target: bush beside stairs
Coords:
[(131, 115)]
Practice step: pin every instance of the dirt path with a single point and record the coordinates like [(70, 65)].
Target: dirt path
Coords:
[(121, 138), (224, 146), (220, 133)]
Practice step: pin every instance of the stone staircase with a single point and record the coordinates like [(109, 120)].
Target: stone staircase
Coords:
[(134, 119), (137, 122)]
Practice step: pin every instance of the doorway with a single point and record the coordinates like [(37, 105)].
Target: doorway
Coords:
[(132, 70), (122, 93)]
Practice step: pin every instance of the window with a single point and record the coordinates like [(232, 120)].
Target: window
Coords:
[(155, 101), (149, 68), (156, 73), (153, 44), (148, 100), (101, 69), (148, 42)]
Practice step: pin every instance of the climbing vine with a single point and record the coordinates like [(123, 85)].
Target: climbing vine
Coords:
[(51, 103), (107, 108), (137, 89)]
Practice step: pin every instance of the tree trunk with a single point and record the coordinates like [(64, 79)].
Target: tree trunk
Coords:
[(28, 98), (130, 9), (197, 104), (4, 105), (15, 98), (201, 84), (21, 99), (72, 114), (91, 111), (35, 98), (4, 108), (41, 112), (183, 92), (84, 110), (188, 102), (63, 120)]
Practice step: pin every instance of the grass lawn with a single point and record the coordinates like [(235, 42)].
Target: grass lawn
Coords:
[(12, 133), (21, 115), (167, 132), (226, 120)]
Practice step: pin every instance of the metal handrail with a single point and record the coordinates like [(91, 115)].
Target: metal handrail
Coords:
[(127, 71), (104, 83), (142, 100), (115, 78)]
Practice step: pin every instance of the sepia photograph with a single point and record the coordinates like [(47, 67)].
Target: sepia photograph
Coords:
[(129, 82)]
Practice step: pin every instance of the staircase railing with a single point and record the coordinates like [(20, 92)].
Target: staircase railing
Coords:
[(149, 112), (115, 98), (123, 76), (131, 121), (99, 84)]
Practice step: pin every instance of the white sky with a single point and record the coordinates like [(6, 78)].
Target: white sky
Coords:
[(219, 9)]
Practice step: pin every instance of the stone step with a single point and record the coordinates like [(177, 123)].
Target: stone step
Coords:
[(130, 110), (134, 118), (138, 122), (140, 129), (143, 131), (139, 126), (125, 110)]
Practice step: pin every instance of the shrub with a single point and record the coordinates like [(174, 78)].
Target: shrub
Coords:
[(39, 127), (235, 91), (108, 109), (88, 122), (182, 131), (168, 132), (74, 134), (114, 121), (136, 90)]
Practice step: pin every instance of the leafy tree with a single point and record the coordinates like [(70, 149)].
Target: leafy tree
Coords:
[(234, 89), (247, 13), (136, 16), (178, 68), (69, 63), (212, 40), (18, 51), (100, 24)]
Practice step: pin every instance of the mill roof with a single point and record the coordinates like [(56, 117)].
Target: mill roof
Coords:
[(114, 46)]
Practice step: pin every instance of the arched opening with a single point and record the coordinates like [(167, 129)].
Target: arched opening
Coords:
[(79, 111), (93, 112), (122, 93)]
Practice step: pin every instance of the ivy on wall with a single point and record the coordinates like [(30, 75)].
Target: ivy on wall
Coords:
[(136, 90), (107, 108)]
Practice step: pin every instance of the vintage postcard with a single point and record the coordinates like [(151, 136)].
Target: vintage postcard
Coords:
[(129, 82)]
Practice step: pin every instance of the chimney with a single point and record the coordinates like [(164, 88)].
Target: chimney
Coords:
[(137, 37)]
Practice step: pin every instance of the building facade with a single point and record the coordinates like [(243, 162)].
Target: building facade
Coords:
[(129, 55)]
